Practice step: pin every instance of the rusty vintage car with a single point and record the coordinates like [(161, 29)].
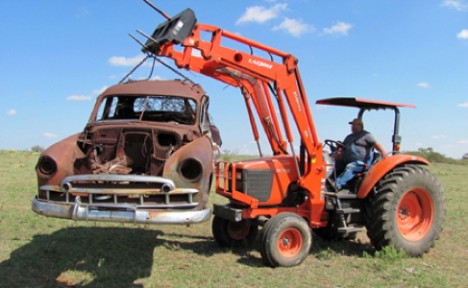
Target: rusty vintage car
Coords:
[(147, 155)]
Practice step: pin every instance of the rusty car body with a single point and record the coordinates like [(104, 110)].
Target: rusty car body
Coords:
[(147, 155)]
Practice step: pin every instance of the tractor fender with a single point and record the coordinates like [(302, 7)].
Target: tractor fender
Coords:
[(381, 168)]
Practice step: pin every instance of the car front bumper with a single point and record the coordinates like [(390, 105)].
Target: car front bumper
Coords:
[(120, 198), (86, 212)]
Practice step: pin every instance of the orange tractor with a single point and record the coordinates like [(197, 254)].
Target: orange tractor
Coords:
[(289, 195)]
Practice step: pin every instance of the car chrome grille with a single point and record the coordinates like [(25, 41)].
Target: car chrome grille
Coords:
[(121, 192)]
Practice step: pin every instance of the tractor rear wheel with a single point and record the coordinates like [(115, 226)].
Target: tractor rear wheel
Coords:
[(406, 211), (285, 240), (228, 233)]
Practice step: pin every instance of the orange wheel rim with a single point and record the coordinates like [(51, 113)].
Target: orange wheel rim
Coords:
[(415, 214), (290, 242)]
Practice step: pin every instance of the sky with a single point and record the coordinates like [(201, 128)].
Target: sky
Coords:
[(57, 56)]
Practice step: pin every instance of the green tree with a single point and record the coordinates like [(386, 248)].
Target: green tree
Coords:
[(37, 148)]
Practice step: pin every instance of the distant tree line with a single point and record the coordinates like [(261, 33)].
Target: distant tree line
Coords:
[(37, 148), (434, 156), (427, 153)]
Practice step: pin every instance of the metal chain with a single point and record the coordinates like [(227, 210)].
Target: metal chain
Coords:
[(162, 63), (174, 70), (134, 68)]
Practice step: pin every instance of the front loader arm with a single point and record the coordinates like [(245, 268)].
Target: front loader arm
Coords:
[(261, 80), (236, 68)]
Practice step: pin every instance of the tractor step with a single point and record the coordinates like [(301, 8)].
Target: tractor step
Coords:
[(347, 210), (345, 194), (348, 230)]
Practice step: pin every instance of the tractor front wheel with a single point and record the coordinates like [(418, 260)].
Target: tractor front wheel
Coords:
[(406, 211), (285, 240), (228, 233)]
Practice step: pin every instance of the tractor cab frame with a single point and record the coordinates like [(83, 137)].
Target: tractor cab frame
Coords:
[(366, 105)]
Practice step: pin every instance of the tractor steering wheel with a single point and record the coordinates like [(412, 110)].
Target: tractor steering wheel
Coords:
[(334, 145)]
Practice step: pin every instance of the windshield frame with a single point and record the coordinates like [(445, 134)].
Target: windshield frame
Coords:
[(146, 108)]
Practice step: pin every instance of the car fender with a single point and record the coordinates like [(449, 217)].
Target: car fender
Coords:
[(381, 168), (63, 153), (201, 151)]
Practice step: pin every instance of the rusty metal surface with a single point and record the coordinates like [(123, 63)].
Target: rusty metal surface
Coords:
[(161, 87), (119, 165)]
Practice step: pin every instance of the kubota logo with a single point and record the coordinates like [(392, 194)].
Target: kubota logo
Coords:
[(260, 63)]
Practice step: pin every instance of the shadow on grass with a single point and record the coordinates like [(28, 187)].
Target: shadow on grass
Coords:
[(355, 248), (321, 249), (207, 246), (117, 257), (82, 256)]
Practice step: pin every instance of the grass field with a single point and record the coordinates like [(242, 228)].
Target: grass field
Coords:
[(44, 252)]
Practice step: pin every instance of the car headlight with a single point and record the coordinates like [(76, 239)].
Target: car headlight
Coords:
[(191, 169), (46, 165)]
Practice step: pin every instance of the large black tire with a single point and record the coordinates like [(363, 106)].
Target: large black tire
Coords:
[(228, 233), (285, 240), (406, 210)]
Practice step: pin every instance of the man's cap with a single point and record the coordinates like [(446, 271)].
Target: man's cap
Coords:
[(356, 121)]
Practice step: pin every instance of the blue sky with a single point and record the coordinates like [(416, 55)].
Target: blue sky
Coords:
[(56, 57)]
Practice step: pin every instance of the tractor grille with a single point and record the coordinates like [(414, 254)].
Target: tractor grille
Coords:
[(256, 183)]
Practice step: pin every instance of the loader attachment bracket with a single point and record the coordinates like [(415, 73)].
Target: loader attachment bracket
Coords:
[(174, 30)]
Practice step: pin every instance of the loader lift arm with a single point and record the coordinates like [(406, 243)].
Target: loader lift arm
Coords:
[(257, 77)]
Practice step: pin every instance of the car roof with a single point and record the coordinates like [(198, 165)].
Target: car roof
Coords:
[(157, 87), (362, 103)]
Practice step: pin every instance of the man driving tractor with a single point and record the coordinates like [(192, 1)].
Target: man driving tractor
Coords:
[(358, 153)]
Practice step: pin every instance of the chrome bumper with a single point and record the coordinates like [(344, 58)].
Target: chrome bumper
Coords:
[(106, 199), (85, 212)]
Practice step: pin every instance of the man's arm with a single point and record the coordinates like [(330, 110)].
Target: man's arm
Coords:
[(380, 149)]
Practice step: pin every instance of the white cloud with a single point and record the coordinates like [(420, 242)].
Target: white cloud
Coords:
[(79, 98), (157, 77), (197, 53), (463, 105), (439, 137), (261, 14), (82, 13), (49, 135), (455, 4), (294, 27), (320, 107), (463, 34), (339, 28), (99, 91), (126, 61), (87, 97), (11, 112), (464, 142), (424, 85)]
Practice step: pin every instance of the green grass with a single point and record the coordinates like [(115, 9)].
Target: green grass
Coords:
[(36, 251)]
